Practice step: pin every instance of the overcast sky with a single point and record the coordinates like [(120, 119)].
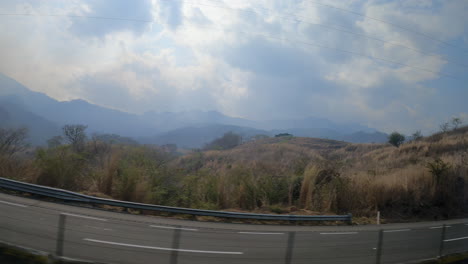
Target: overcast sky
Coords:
[(392, 65)]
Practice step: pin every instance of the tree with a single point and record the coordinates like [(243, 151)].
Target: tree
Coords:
[(227, 141), (417, 135), (55, 141), (456, 122), (444, 127), (75, 135), (12, 140), (396, 139), (283, 135)]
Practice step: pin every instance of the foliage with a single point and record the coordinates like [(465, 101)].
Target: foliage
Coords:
[(270, 175), (227, 141), (55, 141), (283, 135), (438, 168), (396, 139)]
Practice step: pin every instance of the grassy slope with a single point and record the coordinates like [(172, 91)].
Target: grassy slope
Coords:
[(394, 180)]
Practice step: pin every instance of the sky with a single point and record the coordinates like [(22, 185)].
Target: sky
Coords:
[(392, 65)]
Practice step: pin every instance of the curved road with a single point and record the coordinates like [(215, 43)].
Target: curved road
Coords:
[(110, 237)]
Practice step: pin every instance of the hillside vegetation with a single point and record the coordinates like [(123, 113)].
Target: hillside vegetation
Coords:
[(421, 179)]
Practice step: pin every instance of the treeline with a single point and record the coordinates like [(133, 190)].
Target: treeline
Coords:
[(424, 178)]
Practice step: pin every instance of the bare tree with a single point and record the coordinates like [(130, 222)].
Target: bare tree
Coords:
[(75, 135), (12, 140), (456, 122), (444, 127), (417, 135)]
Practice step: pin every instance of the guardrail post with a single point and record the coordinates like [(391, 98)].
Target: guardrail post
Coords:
[(442, 238), (175, 246), (350, 220), (290, 246), (379, 247), (60, 235)]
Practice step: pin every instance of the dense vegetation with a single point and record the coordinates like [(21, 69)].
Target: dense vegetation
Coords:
[(423, 178)]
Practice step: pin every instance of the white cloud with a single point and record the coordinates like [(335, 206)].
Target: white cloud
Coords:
[(248, 58)]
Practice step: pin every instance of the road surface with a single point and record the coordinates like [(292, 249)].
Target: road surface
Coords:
[(110, 237)]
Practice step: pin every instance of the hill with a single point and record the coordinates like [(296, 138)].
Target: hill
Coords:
[(423, 179), (189, 129)]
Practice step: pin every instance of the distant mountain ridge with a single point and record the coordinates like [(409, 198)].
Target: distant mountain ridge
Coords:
[(20, 106)]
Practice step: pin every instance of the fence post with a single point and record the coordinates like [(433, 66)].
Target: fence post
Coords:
[(442, 238), (378, 217), (379, 247), (290, 247), (60, 235), (175, 246)]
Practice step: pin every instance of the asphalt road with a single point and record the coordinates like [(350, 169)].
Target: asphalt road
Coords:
[(109, 237)]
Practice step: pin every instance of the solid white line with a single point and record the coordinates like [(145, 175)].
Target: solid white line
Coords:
[(398, 230), (454, 239), (15, 204), (84, 216), (170, 227), (161, 248), (343, 233), (438, 227), (260, 233)]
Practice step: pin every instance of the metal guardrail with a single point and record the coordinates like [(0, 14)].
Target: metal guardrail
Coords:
[(77, 197)]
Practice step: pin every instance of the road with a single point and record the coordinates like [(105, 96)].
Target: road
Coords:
[(110, 237)]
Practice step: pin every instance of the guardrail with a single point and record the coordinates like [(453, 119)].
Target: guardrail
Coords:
[(77, 197)]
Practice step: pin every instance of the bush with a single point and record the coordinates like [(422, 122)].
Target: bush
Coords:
[(396, 139)]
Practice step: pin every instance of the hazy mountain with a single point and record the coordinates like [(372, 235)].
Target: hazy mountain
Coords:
[(14, 115), (198, 136), (44, 115)]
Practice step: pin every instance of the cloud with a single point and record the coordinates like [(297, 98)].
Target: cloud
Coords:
[(102, 12), (171, 13), (255, 59)]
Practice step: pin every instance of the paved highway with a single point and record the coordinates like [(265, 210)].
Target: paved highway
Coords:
[(110, 237)]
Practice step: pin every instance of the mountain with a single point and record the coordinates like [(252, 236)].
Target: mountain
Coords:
[(20, 106), (14, 115), (198, 136)]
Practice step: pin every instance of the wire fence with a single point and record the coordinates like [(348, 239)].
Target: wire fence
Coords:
[(118, 240)]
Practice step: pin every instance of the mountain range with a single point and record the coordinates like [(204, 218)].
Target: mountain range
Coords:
[(44, 116)]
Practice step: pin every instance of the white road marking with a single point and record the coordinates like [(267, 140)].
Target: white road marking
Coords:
[(397, 230), (454, 239), (260, 233), (438, 227), (84, 216), (100, 228), (170, 227), (342, 233), (161, 248), (14, 204)]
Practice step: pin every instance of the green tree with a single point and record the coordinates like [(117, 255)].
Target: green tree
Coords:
[(396, 139), (55, 141), (227, 141)]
